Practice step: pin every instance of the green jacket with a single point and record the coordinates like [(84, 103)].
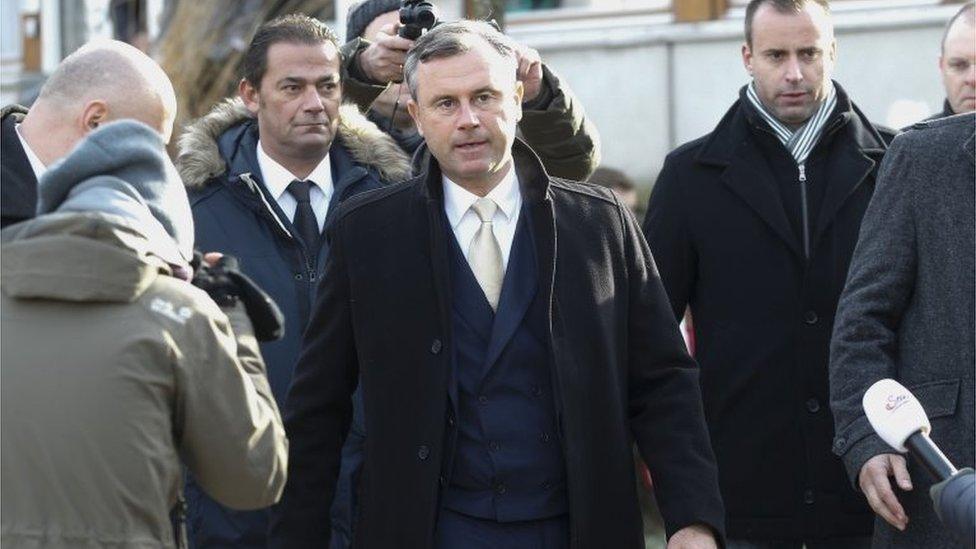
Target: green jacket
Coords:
[(114, 372)]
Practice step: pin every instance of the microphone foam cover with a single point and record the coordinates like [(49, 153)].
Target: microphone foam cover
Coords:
[(894, 413)]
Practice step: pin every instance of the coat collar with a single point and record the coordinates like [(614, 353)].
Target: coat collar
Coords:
[(531, 175), (732, 147), (741, 118), (209, 146)]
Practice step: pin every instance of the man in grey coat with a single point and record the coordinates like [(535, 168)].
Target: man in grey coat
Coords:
[(907, 312)]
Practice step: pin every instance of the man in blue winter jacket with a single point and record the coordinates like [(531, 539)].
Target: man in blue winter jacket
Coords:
[(265, 172)]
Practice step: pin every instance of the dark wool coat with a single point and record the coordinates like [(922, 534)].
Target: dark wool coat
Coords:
[(908, 311), (18, 186), (763, 315), (620, 373)]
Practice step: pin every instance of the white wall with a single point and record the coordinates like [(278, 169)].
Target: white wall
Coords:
[(650, 85)]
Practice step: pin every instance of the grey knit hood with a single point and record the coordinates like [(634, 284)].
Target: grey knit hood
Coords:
[(122, 169)]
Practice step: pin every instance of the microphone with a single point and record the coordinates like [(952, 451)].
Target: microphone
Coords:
[(898, 418)]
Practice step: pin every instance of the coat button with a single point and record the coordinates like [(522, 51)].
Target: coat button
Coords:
[(436, 346), (536, 391), (500, 488), (450, 420), (813, 405), (545, 437), (298, 276), (442, 481), (423, 452), (808, 497), (840, 443), (810, 317), (483, 399), (493, 446)]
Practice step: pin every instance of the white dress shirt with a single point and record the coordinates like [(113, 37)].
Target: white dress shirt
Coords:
[(464, 221), (277, 178), (36, 165)]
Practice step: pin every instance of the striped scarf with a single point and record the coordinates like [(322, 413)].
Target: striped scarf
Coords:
[(802, 141)]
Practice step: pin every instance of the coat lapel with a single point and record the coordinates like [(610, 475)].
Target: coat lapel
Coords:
[(746, 172), (748, 178), (518, 289), (440, 267), (849, 168)]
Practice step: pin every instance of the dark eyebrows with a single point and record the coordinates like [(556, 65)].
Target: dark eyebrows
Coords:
[(329, 78), (486, 89)]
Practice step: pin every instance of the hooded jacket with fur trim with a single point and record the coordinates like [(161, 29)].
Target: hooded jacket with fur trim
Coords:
[(235, 214)]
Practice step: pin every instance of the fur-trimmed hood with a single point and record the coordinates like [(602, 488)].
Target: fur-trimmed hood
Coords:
[(200, 158), (13, 109)]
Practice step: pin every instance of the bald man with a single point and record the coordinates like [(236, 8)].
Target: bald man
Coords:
[(102, 81), (957, 63)]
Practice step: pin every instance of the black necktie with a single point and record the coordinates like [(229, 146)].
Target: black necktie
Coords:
[(305, 222)]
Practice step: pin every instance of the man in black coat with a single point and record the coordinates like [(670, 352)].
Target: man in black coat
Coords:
[(753, 227), (511, 338), (82, 93)]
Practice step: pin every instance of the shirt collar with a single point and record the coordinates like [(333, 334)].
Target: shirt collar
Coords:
[(458, 200), (277, 178), (36, 165)]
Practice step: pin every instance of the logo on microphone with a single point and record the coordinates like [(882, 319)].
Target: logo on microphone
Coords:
[(893, 402)]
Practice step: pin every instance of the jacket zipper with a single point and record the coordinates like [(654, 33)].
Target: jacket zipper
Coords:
[(253, 185), (805, 214)]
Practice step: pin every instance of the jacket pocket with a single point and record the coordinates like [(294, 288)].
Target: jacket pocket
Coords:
[(938, 398)]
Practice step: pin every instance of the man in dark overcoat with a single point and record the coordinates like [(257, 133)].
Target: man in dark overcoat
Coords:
[(908, 313), (511, 337), (752, 227)]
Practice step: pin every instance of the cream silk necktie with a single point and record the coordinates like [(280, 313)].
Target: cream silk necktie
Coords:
[(485, 255)]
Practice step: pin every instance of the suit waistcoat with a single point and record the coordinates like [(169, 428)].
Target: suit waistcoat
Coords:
[(508, 462)]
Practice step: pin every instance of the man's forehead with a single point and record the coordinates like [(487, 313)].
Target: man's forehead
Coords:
[(961, 39), (812, 22), (475, 67), (302, 53)]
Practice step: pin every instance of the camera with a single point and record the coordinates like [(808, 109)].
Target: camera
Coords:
[(227, 285), (416, 16)]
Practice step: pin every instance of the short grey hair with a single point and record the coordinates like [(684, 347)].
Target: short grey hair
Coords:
[(455, 38)]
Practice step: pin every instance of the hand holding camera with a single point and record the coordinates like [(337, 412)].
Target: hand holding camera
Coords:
[(221, 277), (383, 60)]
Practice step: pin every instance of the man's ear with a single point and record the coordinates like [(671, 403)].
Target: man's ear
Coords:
[(519, 93), (93, 115), (747, 58), (414, 110), (250, 95)]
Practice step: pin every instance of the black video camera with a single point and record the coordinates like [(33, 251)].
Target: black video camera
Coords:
[(416, 16), (226, 285)]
